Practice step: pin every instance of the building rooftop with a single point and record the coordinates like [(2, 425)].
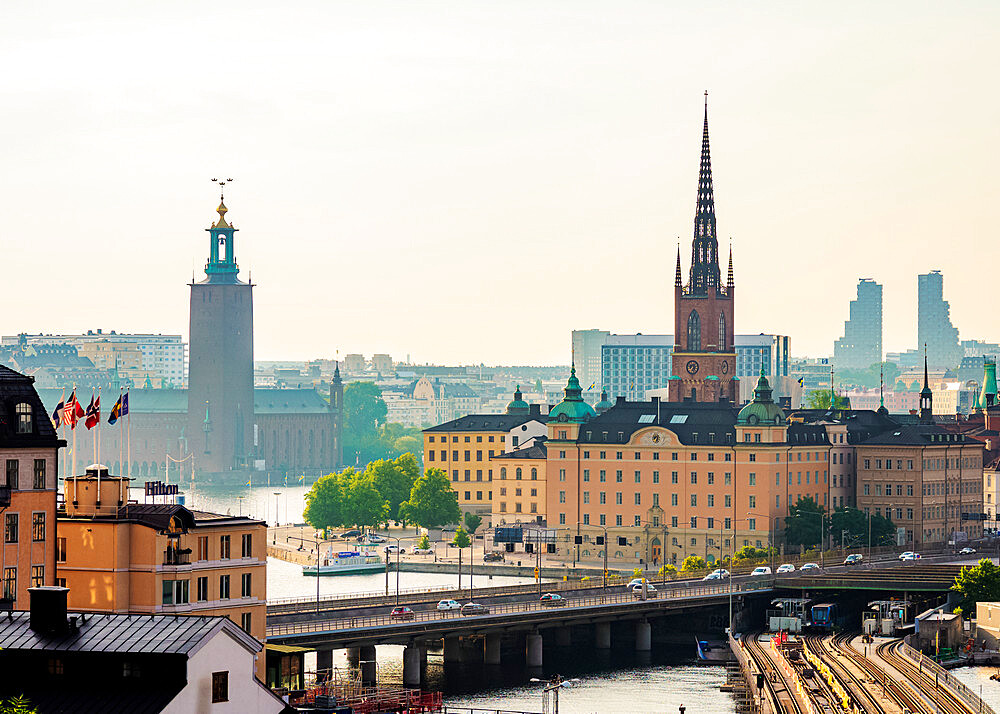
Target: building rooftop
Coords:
[(485, 422), (17, 389)]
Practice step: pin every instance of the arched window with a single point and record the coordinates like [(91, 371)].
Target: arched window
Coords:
[(534, 474), (23, 413), (722, 332), (694, 332), (503, 474), (517, 474)]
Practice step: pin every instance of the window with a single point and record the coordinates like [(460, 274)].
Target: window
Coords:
[(37, 576), (586, 519), (246, 585), (12, 473), (223, 587), (202, 589), (10, 583), (534, 474), (753, 479), (638, 499), (60, 550), (728, 501), (694, 499), (175, 592), (22, 413), (673, 521), (38, 526), (722, 332), (656, 477), (224, 543), (694, 332), (618, 498), (694, 524), (603, 476), (586, 496), (618, 476), (562, 497), (603, 520), (728, 478), (752, 524), (562, 474), (220, 687), (39, 480), (203, 548), (711, 499), (602, 497), (246, 619), (10, 528), (753, 502)]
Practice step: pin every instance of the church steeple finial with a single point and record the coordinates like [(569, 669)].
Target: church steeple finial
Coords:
[(926, 396), (729, 280), (704, 276), (678, 279)]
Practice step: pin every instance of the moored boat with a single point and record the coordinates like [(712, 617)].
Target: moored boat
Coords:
[(345, 562)]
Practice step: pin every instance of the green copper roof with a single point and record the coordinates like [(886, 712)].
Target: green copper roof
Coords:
[(762, 410), (603, 405), (989, 383), (572, 407), (518, 405)]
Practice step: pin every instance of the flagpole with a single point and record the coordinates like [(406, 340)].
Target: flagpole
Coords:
[(128, 436), (121, 441)]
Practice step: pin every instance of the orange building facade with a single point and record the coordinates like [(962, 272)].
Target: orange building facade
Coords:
[(28, 457), (122, 557)]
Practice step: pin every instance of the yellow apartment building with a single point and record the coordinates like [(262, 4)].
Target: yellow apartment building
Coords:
[(121, 557), (519, 493)]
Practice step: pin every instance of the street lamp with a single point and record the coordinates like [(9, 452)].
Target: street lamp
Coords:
[(276, 494), (387, 555), (551, 690)]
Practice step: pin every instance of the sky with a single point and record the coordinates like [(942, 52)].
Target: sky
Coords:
[(466, 182)]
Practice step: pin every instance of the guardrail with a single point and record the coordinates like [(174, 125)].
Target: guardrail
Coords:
[(352, 623), (925, 663)]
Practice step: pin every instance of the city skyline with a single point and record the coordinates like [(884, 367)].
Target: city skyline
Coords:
[(814, 164)]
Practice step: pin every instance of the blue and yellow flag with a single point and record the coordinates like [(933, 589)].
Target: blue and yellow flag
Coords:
[(116, 411), (248, 482), (302, 478)]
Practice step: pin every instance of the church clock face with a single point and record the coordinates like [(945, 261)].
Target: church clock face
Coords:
[(725, 367), (692, 367)]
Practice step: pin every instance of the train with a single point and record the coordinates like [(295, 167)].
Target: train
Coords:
[(824, 617)]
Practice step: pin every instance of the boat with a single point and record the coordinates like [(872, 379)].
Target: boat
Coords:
[(346, 562), (713, 651)]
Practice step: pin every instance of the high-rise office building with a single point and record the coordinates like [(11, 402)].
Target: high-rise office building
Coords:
[(934, 327), (861, 345), (587, 346)]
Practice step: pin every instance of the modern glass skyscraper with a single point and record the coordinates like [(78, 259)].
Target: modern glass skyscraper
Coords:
[(861, 345), (934, 327)]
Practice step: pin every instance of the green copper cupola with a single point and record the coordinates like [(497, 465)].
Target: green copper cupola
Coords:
[(221, 266)]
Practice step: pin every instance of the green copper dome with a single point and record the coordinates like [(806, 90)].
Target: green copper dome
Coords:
[(762, 410), (988, 394), (604, 404), (518, 405), (572, 407)]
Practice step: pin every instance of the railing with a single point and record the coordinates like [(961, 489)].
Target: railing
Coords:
[(176, 557), (968, 697), (353, 623)]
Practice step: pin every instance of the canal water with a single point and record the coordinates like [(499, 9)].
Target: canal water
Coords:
[(978, 680)]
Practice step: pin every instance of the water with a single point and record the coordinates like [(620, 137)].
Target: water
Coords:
[(978, 680), (257, 501)]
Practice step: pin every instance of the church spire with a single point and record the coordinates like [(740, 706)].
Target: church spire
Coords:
[(221, 266), (926, 396), (729, 280), (678, 279), (705, 248)]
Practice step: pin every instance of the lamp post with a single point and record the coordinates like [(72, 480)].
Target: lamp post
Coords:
[(276, 494), (605, 585), (398, 548), (316, 533)]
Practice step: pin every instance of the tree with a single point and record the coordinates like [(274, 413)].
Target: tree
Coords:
[(693, 562), (538, 387), (364, 413), (394, 481), (433, 502), (978, 583), (424, 543), (17, 705), (363, 504), (325, 507), (750, 554), (667, 569), (472, 521), (855, 523), (803, 523), (461, 539), (820, 399)]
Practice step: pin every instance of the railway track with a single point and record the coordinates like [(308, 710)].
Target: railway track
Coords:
[(783, 700), (946, 700)]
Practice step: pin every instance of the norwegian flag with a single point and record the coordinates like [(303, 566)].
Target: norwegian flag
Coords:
[(72, 411), (93, 413)]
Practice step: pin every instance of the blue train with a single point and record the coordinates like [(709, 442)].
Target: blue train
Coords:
[(825, 616)]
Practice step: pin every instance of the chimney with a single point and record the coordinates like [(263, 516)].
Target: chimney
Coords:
[(48, 609), (619, 400), (534, 410), (656, 400)]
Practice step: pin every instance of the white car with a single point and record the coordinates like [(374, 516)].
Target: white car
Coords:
[(809, 566), (394, 549), (446, 605), (905, 555), (423, 551), (785, 568), (967, 551), (635, 581), (721, 572), (650, 590), (912, 556), (760, 570), (712, 576)]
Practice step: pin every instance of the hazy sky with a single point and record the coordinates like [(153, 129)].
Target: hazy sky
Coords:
[(468, 181)]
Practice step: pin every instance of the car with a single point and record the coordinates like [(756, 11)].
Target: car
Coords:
[(853, 559), (809, 566), (785, 568), (349, 534), (401, 613), (394, 549), (967, 551), (760, 570), (376, 538), (912, 556), (650, 590), (721, 572), (493, 557), (446, 605), (552, 599), (635, 581), (905, 555), (712, 576), (474, 608), (423, 551)]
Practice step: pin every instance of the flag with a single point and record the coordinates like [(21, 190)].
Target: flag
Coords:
[(116, 410), (591, 386), (93, 413), (248, 482), (286, 479), (57, 414), (302, 478), (72, 411), (801, 380), (124, 405)]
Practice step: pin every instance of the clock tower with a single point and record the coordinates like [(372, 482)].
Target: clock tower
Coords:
[(704, 356)]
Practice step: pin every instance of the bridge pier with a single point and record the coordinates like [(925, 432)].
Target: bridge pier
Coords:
[(452, 650), (643, 636), (353, 656), (491, 652), (564, 636), (602, 635), (533, 649), (368, 669), (324, 661), (412, 661)]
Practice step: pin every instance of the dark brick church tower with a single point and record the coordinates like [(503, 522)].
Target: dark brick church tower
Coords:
[(704, 357), (220, 378)]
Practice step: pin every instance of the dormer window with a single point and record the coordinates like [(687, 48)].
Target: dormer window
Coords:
[(22, 413)]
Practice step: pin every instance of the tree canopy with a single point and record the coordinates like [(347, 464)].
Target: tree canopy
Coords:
[(461, 539), (433, 502), (978, 583), (869, 377), (820, 399), (855, 523), (347, 498), (367, 436), (394, 480), (750, 554), (472, 521), (693, 562), (804, 522)]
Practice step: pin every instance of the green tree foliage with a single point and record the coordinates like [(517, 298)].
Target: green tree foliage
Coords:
[(394, 480), (667, 569), (433, 502), (364, 505), (461, 539), (424, 543), (803, 524), (749, 554), (693, 562), (855, 522), (17, 705), (868, 377), (472, 521), (325, 501), (364, 414), (978, 583), (820, 399), (347, 498)]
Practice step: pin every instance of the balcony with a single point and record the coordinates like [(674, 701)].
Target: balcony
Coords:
[(4, 496), (180, 556)]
